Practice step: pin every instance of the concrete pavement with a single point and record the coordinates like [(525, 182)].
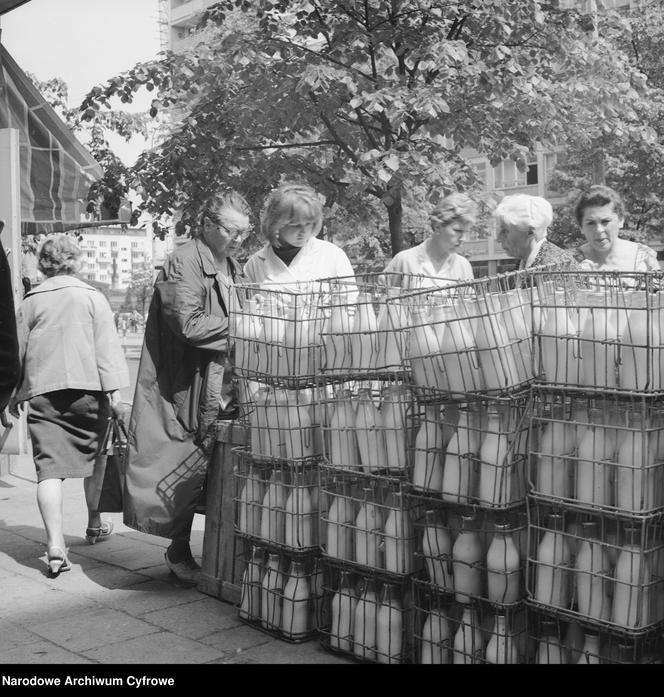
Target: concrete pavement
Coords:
[(119, 604)]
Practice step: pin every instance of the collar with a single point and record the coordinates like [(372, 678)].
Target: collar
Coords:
[(207, 260), (59, 281), (534, 251)]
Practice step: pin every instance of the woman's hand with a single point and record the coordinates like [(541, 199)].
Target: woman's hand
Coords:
[(15, 407), (117, 405)]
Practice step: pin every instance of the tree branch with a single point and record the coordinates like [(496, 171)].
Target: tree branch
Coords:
[(284, 146)]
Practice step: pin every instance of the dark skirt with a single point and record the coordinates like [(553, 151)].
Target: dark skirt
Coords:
[(67, 428)]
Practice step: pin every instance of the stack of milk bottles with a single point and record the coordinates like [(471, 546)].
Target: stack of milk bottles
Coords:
[(469, 357), (367, 537), (595, 577), (276, 331)]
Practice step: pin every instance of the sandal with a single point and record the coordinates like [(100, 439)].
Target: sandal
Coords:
[(103, 532), (57, 561)]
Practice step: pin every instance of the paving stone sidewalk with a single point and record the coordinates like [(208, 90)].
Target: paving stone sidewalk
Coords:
[(119, 604)]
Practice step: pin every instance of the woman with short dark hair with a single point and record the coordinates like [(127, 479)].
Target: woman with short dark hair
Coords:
[(73, 367)]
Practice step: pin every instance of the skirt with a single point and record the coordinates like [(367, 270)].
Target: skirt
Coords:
[(67, 429)]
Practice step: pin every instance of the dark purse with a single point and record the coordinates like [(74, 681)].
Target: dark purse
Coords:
[(109, 471)]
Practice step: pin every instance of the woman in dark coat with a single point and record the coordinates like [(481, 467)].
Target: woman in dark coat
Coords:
[(183, 383)]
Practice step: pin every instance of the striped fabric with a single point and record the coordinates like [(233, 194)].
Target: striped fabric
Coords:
[(56, 170)]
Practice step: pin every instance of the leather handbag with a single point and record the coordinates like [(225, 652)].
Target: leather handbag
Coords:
[(107, 479)]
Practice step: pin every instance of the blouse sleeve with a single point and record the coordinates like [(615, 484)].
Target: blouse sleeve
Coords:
[(646, 259)]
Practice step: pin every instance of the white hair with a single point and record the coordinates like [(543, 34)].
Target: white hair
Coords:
[(525, 213)]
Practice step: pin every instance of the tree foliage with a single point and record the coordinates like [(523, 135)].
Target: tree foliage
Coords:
[(371, 100)]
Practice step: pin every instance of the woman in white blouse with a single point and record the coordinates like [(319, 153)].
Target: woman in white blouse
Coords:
[(436, 259)]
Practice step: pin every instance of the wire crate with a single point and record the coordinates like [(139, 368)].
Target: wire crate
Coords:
[(276, 506), (473, 555), (470, 338), (365, 426), (276, 330), (600, 331), (280, 594), (367, 617), (284, 424), (603, 569), (563, 643), (366, 523), (604, 452), (483, 455), (467, 633)]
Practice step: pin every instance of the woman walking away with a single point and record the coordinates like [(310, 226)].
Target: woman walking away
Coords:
[(72, 367)]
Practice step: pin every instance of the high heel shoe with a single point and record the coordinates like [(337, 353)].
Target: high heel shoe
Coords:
[(103, 532), (57, 561)]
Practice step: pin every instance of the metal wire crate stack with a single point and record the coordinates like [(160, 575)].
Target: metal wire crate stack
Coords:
[(561, 642)]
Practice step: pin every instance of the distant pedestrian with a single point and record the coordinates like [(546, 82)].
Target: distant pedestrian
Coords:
[(72, 371), (184, 383)]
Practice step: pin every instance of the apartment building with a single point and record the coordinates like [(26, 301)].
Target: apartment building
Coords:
[(178, 20)]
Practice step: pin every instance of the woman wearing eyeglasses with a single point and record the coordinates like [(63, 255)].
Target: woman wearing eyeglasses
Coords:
[(183, 380)]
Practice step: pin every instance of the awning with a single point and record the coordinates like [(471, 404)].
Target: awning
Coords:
[(56, 170), (7, 5)]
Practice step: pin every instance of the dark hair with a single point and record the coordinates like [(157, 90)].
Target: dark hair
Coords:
[(286, 202), (598, 195), (59, 255)]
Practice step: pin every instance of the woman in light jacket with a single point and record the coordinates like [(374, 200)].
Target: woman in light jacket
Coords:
[(73, 367)]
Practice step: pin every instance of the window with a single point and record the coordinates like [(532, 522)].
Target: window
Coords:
[(507, 176), (102, 243), (135, 245), (91, 255), (91, 277), (114, 245)]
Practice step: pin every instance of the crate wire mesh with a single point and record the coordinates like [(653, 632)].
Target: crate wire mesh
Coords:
[(280, 594), (367, 617), (366, 523), (599, 330), (604, 452), (365, 426), (283, 423), (472, 453), (604, 570), (467, 633), (473, 556), (276, 505), (473, 337), (563, 643)]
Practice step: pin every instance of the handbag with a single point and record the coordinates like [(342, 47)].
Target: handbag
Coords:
[(105, 490)]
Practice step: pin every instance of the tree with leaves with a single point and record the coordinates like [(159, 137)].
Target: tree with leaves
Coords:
[(139, 290), (370, 100)]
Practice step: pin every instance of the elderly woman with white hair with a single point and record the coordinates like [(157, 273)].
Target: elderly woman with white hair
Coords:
[(437, 257), (522, 223)]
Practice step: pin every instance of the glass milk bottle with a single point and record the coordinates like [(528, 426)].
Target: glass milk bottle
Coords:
[(423, 352), (593, 485), (370, 437), (393, 326), (495, 476), (553, 469), (271, 338), (272, 514), (317, 585), (342, 614), (435, 638), (437, 552), (427, 465), (636, 487), (598, 342), (364, 621), (368, 532), (364, 334), (590, 654), (296, 423), (554, 557), (550, 649), (591, 574), (250, 503), (517, 318), (458, 350), (389, 626), (247, 329), (632, 583), (503, 566), (459, 475), (393, 424), (559, 350), (501, 647), (337, 340), (637, 370), (468, 642), (295, 615), (258, 423), (299, 516), (250, 597), (399, 538), (271, 588), (339, 528), (467, 557), (342, 438)]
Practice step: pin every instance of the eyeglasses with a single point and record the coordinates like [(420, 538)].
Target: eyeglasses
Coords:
[(216, 221)]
